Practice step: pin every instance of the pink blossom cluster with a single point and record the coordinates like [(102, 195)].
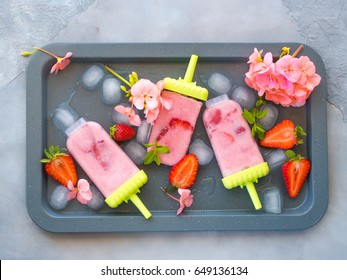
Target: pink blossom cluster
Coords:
[(145, 96), (289, 81)]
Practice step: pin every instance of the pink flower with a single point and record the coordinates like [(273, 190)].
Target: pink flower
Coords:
[(144, 95), (129, 112), (62, 63), (263, 66), (185, 200), (308, 77), (257, 67), (288, 67), (255, 57), (278, 96), (82, 191)]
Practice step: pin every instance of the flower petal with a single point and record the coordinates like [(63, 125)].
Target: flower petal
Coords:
[(167, 103), (63, 64), (134, 120), (83, 185), (68, 54), (160, 85), (70, 185), (55, 68), (72, 195), (151, 103), (139, 102), (87, 195), (121, 109), (81, 199)]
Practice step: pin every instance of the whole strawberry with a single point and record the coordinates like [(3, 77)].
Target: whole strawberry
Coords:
[(121, 132), (60, 166), (284, 135), (295, 172)]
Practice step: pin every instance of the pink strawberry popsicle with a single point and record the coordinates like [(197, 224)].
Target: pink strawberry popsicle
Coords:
[(174, 128), (110, 169), (236, 151)]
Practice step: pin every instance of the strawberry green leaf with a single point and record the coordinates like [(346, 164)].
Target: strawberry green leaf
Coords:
[(291, 154)]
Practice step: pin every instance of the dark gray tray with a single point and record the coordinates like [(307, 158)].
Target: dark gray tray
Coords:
[(215, 208)]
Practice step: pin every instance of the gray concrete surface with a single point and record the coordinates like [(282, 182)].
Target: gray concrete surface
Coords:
[(24, 24)]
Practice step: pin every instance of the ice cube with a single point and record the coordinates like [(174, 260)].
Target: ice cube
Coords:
[(97, 201), (216, 100), (121, 118), (271, 117), (64, 116), (143, 132), (111, 92), (275, 158), (58, 198), (272, 200), (208, 184), (219, 83), (92, 77), (135, 151), (244, 97), (203, 152)]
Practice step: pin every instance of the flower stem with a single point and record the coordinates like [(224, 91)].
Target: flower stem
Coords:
[(169, 195), (299, 49), (47, 52), (109, 69)]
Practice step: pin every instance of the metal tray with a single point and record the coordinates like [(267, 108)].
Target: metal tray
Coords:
[(215, 208)]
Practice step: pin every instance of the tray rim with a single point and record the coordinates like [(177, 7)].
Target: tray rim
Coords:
[(49, 220)]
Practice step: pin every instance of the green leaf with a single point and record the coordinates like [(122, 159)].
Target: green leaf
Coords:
[(260, 132), (163, 150), (150, 156), (157, 159), (149, 145), (254, 130), (153, 155), (259, 102), (252, 117), (248, 116), (261, 114)]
